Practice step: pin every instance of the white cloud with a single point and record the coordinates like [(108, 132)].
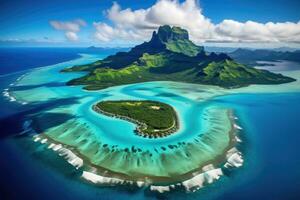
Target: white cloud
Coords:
[(137, 25), (72, 36), (70, 27), (258, 32)]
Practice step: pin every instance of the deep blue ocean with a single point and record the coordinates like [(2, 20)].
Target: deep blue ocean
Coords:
[(271, 135), (18, 59)]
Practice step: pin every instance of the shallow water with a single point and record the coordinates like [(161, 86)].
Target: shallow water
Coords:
[(202, 136), (260, 116)]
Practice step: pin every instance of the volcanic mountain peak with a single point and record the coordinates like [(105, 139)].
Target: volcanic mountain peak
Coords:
[(166, 33), (171, 56)]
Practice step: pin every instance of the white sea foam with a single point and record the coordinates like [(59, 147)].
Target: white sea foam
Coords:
[(237, 126), (36, 138), (196, 182), (51, 146), (7, 95), (231, 151), (43, 141), (57, 147), (237, 139), (160, 189), (11, 98), (213, 175), (140, 183), (71, 157), (209, 175), (234, 158), (97, 179)]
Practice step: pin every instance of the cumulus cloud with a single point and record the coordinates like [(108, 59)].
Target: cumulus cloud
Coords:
[(137, 25), (71, 28), (72, 36), (258, 32)]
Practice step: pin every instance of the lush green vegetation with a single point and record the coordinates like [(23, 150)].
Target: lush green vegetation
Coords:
[(247, 56), (171, 56), (177, 40), (232, 74), (154, 119)]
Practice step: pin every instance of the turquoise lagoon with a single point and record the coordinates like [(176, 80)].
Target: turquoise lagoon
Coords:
[(110, 148), (203, 135)]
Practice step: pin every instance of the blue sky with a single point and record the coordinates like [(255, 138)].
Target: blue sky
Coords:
[(28, 22)]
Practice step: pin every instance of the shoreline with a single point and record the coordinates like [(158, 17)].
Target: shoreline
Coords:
[(207, 173)]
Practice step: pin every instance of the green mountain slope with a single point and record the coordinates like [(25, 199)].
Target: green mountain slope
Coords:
[(171, 56), (232, 74), (248, 56)]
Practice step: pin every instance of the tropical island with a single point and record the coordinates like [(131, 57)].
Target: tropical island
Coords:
[(154, 119), (171, 56), (208, 142)]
